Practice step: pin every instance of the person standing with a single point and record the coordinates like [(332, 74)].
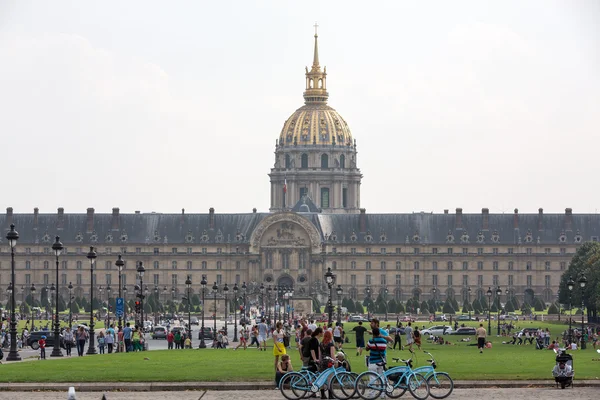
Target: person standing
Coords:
[(481, 335), (398, 336), (42, 343), (377, 346), (68, 339), (337, 336), (408, 333), (360, 337), (278, 345), (170, 340), (101, 342), (127, 337), (177, 339), (81, 338), (110, 339), (263, 334)]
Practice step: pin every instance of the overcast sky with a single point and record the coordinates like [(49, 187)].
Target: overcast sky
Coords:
[(163, 105)]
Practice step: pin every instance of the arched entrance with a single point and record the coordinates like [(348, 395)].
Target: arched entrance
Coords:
[(529, 296), (285, 281)]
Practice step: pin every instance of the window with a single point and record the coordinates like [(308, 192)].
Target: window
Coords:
[(547, 250), (416, 279), (174, 280), (510, 250), (219, 265), (449, 280), (189, 265), (155, 265), (416, 265), (368, 265), (529, 250), (465, 265), (107, 265), (324, 161), (529, 280), (382, 279), (334, 250), (304, 161), (563, 266), (108, 278), (46, 265), (563, 250), (547, 281), (416, 250), (368, 279), (479, 280), (334, 265), (204, 250), (28, 279), (64, 265), (285, 260), (495, 280), (353, 265), (434, 250), (342, 161), (368, 250), (353, 280), (156, 278), (345, 197), (511, 265), (78, 250), (269, 260), (28, 250), (495, 250), (78, 265), (63, 279), (495, 265), (398, 250), (28, 264), (479, 265), (108, 250), (383, 250), (219, 250), (398, 265), (174, 265), (46, 250), (237, 278), (204, 265), (547, 265), (238, 265), (434, 280), (434, 265), (465, 280), (465, 250), (450, 266), (46, 279), (510, 280), (398, 280), (325, 197), (78, 279), (383, 267), (123, 250), (450, 250), (480, 250), (529, 266), (288, 161), (156, 250), (302, 260), (174, 250)]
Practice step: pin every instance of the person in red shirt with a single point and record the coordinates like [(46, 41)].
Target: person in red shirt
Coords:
[(170, 339), (42, 343)]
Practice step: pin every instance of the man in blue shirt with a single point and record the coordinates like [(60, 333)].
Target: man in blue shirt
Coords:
[(377, 346), (127, 337)]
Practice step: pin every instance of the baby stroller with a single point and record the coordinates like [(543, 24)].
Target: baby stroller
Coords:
[(563, 371)]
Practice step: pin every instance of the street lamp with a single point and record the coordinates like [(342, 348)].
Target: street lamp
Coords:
[(434, 302), (140, 271), (70, 308), (339, 292), (125, 303), (291, 302), (57, 247), (188, 284), (32, 290), (269, 304), (498, 294), (215, 289), (329, 278), (236, 289), (489, 294), (225, 291), (469, 292), (385, 294), (173, 293), (582, 283), (120, 263), (101, 291), (368, 291), (244, 288), (570, 285), (13, 237), (262, 298), (203, 283), (91, 255), (108, 292)]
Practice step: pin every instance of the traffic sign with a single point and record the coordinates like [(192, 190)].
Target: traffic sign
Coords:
[(120, 309)]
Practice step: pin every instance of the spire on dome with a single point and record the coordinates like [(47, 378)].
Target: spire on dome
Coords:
[(316, 80), (315, 65)]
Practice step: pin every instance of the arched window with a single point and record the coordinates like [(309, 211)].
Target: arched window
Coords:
[(310, 84), (324, 161), (304, 161), (288, 161), (324, 197), (320, 83), (342, 161)]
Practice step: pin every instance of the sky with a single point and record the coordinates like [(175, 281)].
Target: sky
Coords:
[(159, 106)]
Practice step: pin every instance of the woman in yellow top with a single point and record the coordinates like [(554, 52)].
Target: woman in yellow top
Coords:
[(278, 346), (135, 339)]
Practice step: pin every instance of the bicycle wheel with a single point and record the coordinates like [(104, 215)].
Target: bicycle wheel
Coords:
[(369, 385), (341, 385), (440, 385), (418, 387), (398, 387), (294, 386)]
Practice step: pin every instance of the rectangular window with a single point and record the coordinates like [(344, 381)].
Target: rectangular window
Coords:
[(189, 265), (450, 266), (78, 250), (108, 250), (510, 280), (480, 250), (353, 250), (204, 265), (353, 280), (368, 250), (547, 250), (465, 265), (204, 250), (368, 265), (416, 265), (450, 250), (434, 280), (156, 278), (495, 265), (465, 250), (303, 190), (107, 265), (189, 250), (495, 280), (46, 250), (46, 265), (398, 250), (123, 250), (138, 250), (398, 265), (563, 251), (434, 250), (219, 250), (78, 279), (529, 280), (108, 278), (78, 265), (156, 265), (352, 264), (547, 281), (449, 280), (174, 265), (28, 279), (511, 265), (547, 265), (63, 279), (510, 250), (238, 265), (334, 265), (219, 265), (368, 279), (124, 280), (398, 280), (285, 260), (382, 279), (334, 250), (156, 250), (416, 250), (269, 260), (324, 197), (416, 279), (434, 265), (238, 278), (479, 265), (529, 266), (174, 250), (45, 279), (383, 266), (465, 280), (383, 250), (345, 197), (495, 250), (563, 265), (28, 250), (302, 259), (64, 265), (174, 280), (479, 280), (529, 250)]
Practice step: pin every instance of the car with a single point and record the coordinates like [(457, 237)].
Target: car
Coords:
[(208, 333), (394, 329), (179, 329), (509, 318), (407, 318), (159, 332), (34, 337), (357, 318), (464, 318), (148, 325), (467, 330), (437, 330), (440, 318), (194, 321)]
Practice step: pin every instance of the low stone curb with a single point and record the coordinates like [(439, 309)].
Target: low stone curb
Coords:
[(183, 386)]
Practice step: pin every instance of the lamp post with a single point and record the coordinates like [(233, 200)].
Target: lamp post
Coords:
[(108, 293), (498, 294), (141, 270), (262, 298), (582, 283), (188, 284), (470, 305), (120, 263), (203, 283), (125, 302), (570, 285), (236, 289), (329, 278), (101, 291), (339, 292), (215, 289), (385, 295), (32, 289), (92, 257), (225, 291), (368, 291), (434, 302), (173, 293), (70, 302), (57, 247), (291, 302), (164, 291), (244, 288), (12, 236), (269, 289), (489, 294)]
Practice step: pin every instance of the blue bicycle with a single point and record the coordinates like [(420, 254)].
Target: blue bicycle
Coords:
[(440, 383), (296, 385)]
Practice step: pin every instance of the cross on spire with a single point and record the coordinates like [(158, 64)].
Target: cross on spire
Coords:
[(316, 27)]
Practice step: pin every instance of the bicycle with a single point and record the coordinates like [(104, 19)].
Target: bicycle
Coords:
[(296, 385), (440, 384), (394, 382)]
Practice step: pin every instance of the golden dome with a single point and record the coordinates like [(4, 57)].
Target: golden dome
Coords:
[(315, 124)]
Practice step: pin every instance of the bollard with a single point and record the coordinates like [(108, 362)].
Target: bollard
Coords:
[(71, 394), (103, 396)]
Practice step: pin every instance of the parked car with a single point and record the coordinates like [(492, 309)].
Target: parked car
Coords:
[(208, 333), (194, 321), (467, 330), (159, 332), (357, 318), (407, 318), (437, 330), (179, 329), (441, 318), (464, 318), (148, 325), (34, 337)]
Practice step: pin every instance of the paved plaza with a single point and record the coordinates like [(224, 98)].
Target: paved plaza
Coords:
[(583, 393)]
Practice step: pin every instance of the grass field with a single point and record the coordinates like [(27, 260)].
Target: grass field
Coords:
[(460, 360)]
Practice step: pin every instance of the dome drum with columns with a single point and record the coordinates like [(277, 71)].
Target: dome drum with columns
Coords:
[(316, 155)]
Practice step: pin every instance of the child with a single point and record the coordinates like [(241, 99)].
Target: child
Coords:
[(42, 343), (283, 367), (101, 342), (188, 343)]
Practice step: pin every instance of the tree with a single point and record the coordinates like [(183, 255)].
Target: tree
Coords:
[(391, 306), (526, 308), (552, 310), (585, 261), (509, 307), (358, 307), (539, 305), (447, 308), (454, 304), (400, 307), (424, 307), (196, 300)]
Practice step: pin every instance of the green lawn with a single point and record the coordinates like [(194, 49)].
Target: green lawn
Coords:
[(460, 360)]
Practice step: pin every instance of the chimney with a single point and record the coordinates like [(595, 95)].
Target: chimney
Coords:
[(486, 219), (36, 212), (90, 220), (137, 211), (61, 219), (516, 219), (211, 218), (362, 220), (9, 216), (446, 211), (254, 210), (459, 218), (568, 219), (114, 224), (540, 219)]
